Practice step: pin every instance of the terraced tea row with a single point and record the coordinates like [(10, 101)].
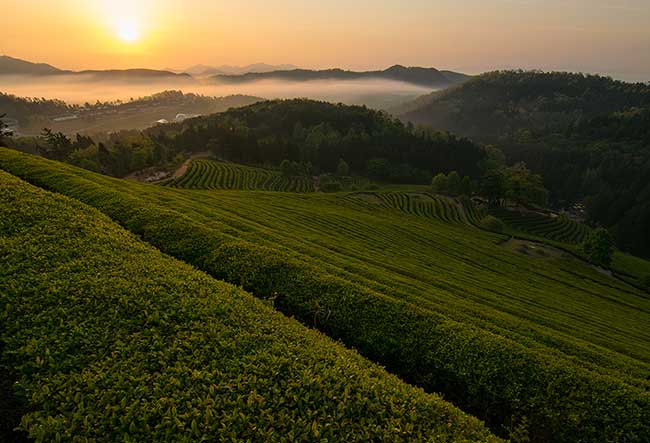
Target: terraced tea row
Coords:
[(559, 228), (112, 341), (414, 203), (209, 174), (501, 334)]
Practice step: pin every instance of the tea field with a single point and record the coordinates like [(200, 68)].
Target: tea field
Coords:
[(547, 346), (110, 340), (210, 174)]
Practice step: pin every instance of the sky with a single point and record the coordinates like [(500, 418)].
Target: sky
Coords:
[(607, 37)]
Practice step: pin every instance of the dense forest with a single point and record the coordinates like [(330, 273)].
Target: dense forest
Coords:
[(319, 135), (588, 136)]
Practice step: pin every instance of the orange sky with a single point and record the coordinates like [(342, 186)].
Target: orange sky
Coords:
[(611, 37)]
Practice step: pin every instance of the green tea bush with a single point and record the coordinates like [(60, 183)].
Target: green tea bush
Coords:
[(210, 174), (493, 224), (113, 341), (490, 375)]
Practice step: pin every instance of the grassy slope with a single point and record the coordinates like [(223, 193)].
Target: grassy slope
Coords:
[(566, 315), (113, 341)]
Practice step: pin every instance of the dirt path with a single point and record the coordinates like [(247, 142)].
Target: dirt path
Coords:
[(144, 175), (178, 173)]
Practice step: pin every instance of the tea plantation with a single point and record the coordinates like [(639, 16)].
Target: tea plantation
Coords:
[(559, 228), (548, 347), (209, 174), (110, 340)]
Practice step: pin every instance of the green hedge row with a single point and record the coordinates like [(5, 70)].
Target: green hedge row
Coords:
[(113, 341), (488, 375)]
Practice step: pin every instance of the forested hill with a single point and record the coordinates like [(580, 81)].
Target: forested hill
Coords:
[(498, 104), (318, 135), (586, 135), (603, 162)]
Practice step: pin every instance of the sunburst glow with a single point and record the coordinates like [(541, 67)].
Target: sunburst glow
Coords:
[(128, 31)]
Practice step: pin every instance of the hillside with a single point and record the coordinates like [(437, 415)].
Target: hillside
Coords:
[(318, 135), (207, 174), (586, 135), (15, 66), (546, 345), (152, 350), (427, 77), (498, 104)]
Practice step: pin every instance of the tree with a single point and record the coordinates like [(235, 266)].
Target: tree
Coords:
[(599, 247), (493, 188), (494, 159), (105, 159), (4, 131), (285, 167), (524, 187), (439, 184), (378, 168), (57, 145), (453, 183), (342, 170), (466, 187)]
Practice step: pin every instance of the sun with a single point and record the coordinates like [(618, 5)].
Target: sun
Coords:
[(128, 31)]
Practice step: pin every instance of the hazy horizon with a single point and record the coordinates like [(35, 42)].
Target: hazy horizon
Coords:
[(471, 37)]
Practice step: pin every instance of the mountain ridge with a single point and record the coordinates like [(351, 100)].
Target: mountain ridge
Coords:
[(15, 66), (427, 77)]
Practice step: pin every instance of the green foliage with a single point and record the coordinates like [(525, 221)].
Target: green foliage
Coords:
[(466, 187), (208, 174), (524, 187), (57, 145), (588, 136), (453, 183), (342, 170), (470, 331), (323, 134), (286, 169), (4, 130), (419, 204), (598, 246), (560, 228), (113, 341), (512, 102), (491, 223), (328, 184), (516, 184), (646, 282), (439, 183)]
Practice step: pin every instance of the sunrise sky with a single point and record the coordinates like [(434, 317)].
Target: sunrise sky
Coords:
[(608, 37)]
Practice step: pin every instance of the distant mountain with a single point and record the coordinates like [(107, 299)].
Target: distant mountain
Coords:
[(14, 66), (427, 77), (204, 71), (133, 74)]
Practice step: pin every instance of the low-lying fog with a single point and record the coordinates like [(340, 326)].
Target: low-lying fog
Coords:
[(374, 93)]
